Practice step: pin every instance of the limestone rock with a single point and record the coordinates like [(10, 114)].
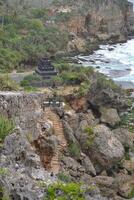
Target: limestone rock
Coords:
[(125, 185), (69, 133), (124, 136), (76, 45), (106, 149), (87, 164), (109, 116), (129, 165), (72, 118)]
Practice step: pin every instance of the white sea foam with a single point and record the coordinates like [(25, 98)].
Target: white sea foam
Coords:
[(118, 57)]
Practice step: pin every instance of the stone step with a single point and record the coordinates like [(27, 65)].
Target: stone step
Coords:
[(59, 132)]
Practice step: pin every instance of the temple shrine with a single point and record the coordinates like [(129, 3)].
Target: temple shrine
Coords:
[(46, 69)]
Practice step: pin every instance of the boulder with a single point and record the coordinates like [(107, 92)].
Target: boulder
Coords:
[(105, 149), (69, 134), (125, 185), (89, 117), (124, 136), (87, 164), (72, 118), (129, 165), (106, 185), (109, 116)]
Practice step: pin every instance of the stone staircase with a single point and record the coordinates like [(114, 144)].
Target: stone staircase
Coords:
[(59, 133)]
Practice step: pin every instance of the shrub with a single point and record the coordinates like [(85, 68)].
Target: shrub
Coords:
[(74, 150), (91, 136), (28, 80), (103, 83), (9, 59), (6, 127), (39, 13), (3, 171), (131, 195), (127, 120), (7, 84), (89, 131), (62, 17), (84, 88), (63, 177), (65, 191)]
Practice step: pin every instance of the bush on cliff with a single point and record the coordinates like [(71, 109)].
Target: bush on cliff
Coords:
[(6, 127), (7, 84), (65, 191)]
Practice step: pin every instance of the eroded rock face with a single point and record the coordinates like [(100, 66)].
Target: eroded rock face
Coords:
[(105, 20), (27, 152), (24, 109), (18, 155)]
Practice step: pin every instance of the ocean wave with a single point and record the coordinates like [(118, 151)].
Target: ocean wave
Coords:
[(113, 57)]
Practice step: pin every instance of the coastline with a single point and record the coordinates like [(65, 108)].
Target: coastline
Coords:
[(113, 67)]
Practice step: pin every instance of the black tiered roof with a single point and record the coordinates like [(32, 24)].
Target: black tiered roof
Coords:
[(46, 69)]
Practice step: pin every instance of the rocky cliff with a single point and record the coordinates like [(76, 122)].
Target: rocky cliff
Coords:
[(105, 20), (74, 143), (88, 22)]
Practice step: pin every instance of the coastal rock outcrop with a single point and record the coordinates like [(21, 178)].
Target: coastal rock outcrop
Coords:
[(105, 148)]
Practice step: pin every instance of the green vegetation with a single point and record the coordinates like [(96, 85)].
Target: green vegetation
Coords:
[(30, 79), (4, 194), (63, 17), (71, 73), (3, 171), (131, 195), (59, 191), (63, 177), (7, 84), (74, 150), (63, 2), (127, 120), (90, 132), (84, 88), (6, 127), (105, 83), (25, 37)]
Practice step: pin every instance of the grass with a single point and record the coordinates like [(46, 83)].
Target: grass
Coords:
[(6, 127), (7, 84)]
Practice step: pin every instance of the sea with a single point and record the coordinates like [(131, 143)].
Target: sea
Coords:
[(115, 61)]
